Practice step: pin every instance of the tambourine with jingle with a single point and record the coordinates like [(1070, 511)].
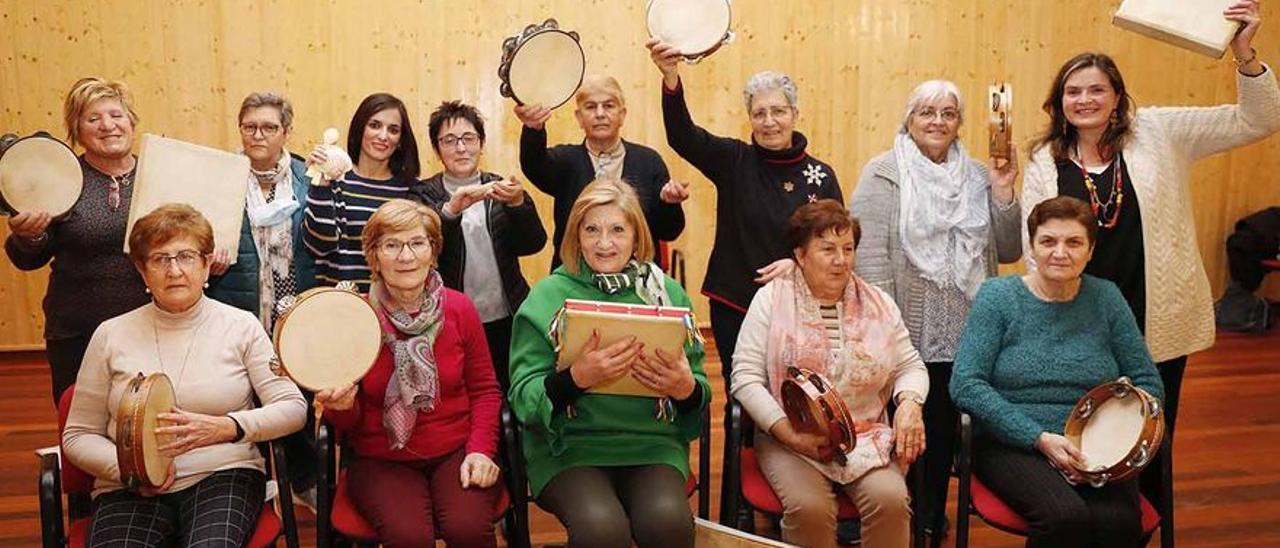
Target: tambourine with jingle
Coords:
[(695, 27), (542, 65), (137, 444), (38, 173), (814, 406), (327, 337), (1000, 120), (1118, 427)]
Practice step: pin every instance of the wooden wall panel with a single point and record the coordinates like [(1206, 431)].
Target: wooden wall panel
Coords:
[(190, 63)]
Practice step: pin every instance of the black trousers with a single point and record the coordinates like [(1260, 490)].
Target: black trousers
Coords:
[(1059, 514), (498, 335), (301, 451), (609, 507), (1150, 480), (726, 322), (219, 511), (940, 445), (64, 357)]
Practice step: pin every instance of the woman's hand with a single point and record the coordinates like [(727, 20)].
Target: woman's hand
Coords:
[(674, 192), (533, 116), (774, 270), (1003, 176), (465, 197), (338, 399), (318, 156), (220, 261), (667, 58), (814, 446), (193, 430), (665, 374), (1062, 455), (1247, 12), (478, 470), (30, 225), (908, 432), (597, 365), (147, 491), (508, 191)]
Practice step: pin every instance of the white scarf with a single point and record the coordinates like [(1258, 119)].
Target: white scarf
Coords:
[(272, 231), (944, 215)]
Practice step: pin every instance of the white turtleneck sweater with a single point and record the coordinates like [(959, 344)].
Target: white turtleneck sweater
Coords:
[(217, 357)]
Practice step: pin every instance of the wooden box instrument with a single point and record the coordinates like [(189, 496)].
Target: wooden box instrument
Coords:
[(1197, 25)]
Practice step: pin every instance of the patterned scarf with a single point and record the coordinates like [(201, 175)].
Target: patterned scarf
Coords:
[(646, 278), (273, 239), (415, 382), (798, 336)]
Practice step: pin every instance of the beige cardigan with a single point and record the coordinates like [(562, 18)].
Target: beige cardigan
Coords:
[(1164, 143), (217, 374)]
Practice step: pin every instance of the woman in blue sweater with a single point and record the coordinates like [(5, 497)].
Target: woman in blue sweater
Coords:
[(1033, 345)]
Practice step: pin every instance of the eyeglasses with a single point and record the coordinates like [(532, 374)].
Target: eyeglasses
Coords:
[(467, 139), (186, 259), (268, 130), (392, 248), (930, 113), (775, 112)]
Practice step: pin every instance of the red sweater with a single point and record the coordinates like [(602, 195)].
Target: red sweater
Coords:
[(467, 404)]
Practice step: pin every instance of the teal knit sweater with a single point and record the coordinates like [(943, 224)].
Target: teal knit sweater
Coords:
[(1023, 363)]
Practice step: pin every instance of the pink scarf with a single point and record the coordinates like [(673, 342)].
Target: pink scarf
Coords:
[(863, 368)]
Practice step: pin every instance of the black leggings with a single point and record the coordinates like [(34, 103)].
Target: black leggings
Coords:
[(609, 507), (1151, 481), (939, 445), (1058, 513), (219, 511), (64, 357)]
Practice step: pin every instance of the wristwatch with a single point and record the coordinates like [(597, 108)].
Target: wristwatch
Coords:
[(909, 395)]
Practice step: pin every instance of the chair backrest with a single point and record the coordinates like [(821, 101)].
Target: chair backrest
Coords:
[(74, 480)]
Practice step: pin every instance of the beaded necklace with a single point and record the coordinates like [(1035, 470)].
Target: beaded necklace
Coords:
[(1107, 213)]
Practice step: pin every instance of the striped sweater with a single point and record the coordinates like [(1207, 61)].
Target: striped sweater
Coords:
[(336, 215)]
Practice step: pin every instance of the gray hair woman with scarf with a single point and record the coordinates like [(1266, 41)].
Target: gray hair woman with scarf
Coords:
[(935, 224)]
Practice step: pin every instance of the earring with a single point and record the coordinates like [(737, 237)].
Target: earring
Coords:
[(147, 290), (206, 285)]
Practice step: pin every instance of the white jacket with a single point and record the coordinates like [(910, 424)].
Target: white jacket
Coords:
[(1164, 143)]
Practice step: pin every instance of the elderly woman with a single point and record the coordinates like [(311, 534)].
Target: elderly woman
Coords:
[(1033, 345), (823, 317), (218, 359), (611, 468), (758, 186), (384, 151), (935, 224), (1134, 171), (490, 222), (563, 171), (90, 280), (423, 422)]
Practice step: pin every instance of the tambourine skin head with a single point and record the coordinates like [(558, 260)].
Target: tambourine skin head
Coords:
[(39, 173), (1118, 426), (542, 65)]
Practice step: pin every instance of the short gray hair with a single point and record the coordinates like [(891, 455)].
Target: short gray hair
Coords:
[(769, 80), (930, 92), (259, 99)]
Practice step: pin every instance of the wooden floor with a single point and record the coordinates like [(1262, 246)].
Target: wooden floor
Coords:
[(1227, 455)]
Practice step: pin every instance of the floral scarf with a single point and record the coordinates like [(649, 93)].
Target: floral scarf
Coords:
[(415, 382)]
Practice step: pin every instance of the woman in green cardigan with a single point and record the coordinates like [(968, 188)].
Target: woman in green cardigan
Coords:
[(611, 468)]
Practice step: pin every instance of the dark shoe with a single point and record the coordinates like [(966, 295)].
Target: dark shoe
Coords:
[(849, 532)]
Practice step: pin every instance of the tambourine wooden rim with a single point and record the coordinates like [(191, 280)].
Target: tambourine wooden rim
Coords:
[(1144, 448), (1000, 120), (707, 44), (331, 351), (137, 444), (39, 173), (813, 405), (511, 60)]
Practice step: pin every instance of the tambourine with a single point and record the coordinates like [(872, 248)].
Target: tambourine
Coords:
[(695, 27), (542, 65), (137, 444), (814, 406), (38, 173), (1119, 428), (1000, 120), (327, 337)]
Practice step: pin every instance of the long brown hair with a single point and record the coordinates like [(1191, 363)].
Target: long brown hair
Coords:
[(1061, 136)]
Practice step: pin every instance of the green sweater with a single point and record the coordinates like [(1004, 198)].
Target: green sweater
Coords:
[(1023, 363), (606, 430)]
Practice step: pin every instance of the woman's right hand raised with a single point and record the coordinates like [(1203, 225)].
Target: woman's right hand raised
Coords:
[(533, 116), (318, 156), (338, 399), (814, 446), (597, 365), (1062, 454), (30, 225), (667, 58)]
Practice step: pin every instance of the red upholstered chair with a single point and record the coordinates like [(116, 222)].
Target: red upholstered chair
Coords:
[(977, 498), (57, 478), (748, 490)]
